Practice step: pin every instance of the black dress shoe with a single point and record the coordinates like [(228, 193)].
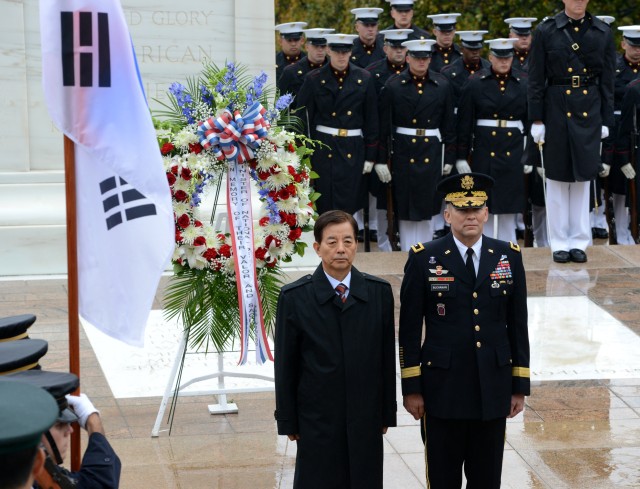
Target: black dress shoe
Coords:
[(599, 233), (373, 235), (578, 256), (561, 256)]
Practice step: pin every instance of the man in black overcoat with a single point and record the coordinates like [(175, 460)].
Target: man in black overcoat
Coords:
[(466, 295), (571, 84), (335, 371), (341, 111)]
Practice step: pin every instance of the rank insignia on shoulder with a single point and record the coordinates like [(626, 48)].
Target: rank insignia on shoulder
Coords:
[(514, 247), (417, 248), (447, 252), (490, 250)]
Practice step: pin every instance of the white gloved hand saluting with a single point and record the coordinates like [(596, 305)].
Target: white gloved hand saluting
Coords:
[(605, 132), (446, 169), (368, 166), (83, 408), (527, 169), (628, 171), (383, 172), (462, 166), (540, 172), (537, 133), (604, 173)]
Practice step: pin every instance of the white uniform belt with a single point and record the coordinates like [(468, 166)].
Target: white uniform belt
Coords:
[(617, 112), (334, 131), (499, 123), (410, 131)]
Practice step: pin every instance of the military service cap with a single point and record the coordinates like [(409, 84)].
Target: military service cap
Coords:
[(291, 30), (467, 191), (631, 34), (501, 47), (317, 36), (419, 48), (521, 25), (341, 42), (401, 5), (367, 15), (395, 37), (471, 39), (16, 356), (444, 22), (58, 384), (15, 327), (26, 412)]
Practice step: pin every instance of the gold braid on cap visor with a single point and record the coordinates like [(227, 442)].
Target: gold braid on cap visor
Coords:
[(475, 198)]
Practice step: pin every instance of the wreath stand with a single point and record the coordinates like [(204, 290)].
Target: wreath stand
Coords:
[(175, 379)]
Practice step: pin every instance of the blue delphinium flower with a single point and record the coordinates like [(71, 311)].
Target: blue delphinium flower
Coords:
[(258, 83), (184, 100), (284, 101), (207, 96)]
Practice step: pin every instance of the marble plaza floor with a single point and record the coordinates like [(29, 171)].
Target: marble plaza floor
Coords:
[(581, 427)]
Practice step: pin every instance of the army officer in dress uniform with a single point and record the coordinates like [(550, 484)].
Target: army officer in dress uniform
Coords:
[(291, 44), (471, 372), (417, 129), (293, 75), (342, 112), (492, 116), (571, 82)]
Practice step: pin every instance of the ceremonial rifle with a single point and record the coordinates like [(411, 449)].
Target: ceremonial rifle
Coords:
[(608, 208), (633, 200), (391, 218)]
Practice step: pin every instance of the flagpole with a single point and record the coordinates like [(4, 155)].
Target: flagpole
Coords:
[(72, 281)]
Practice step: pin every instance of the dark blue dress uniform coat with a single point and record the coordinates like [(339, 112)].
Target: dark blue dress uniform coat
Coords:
[(573, 115), (293, 76), (363, 56), (416, 161), (630, 106), (443, 57), (339, 164), (521, 61), (282, 61), (495, 151), (418, 32), (475, 355), (335, 378), (381, 71), (458, 75)]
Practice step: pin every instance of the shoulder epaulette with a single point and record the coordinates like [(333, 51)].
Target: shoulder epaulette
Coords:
[(514, 246), (417, 248), (375, 279), (546, 19), (298, 283)]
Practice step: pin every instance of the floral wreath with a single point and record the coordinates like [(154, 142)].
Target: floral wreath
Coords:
[(224, 116)]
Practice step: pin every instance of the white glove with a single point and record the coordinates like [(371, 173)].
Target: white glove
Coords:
[(446, 169), (462, 166), (540, 172), (82, 406), (368, 166), (528, 169), (604, 173), (383, 172), (628, 171), (537, 133), (605, 133)]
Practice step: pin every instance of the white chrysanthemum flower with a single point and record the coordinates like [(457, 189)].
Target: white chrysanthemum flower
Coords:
[(276, 229), (213, 241), (182, 184), (184, 138), (304, 217), (181, 208), (265, 163), (288, 205), (278, 180), (229, 266), (191, 233), (286, 248)]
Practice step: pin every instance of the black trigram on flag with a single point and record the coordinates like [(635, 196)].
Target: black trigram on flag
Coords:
[(90, 48), (118, 202)]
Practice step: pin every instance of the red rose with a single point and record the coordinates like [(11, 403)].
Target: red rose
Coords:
[(210, 254), (292, 148), (263, 175), (200, 241), (183, 221), (272, 240), (195, 148), (295, 233), (283, 194), (291, 170), (273, 194), (264, 221), (221, 237), (178, 236), (185, 174), (261, 253), (291, 219), (171, 179), (166, 148), (197, 223), (181, 196), (297, 178), (291, 188), (225, 250), (272, 264), (174, 169)]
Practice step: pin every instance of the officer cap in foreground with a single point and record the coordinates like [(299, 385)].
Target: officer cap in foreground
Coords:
[(15, 327), (58, 384), (521, 25), (26, 412), (16, 356), (631, 34), (502, 47), (419, 48), (468, 191), (291, 30), (471, 39)]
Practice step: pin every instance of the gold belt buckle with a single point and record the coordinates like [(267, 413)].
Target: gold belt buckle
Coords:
[(502, 123), (343, 133), (575, 81), (420, 132)]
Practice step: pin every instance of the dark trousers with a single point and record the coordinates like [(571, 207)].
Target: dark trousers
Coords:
[(451, 444)]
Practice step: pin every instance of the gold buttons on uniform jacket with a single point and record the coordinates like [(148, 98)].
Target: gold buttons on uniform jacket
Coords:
[(412, 160), (477, 328), (568, 92), (413, 140), (508, 153), (439, 294), (428, 364), (349, 155), (426, 140), (568, 114), (414, 121), (333, 114), (426, 160), (570, 70), (478, 344), (504, 292), (584, 114), (348, 112), (476, 312), (492, 154), (329, 155), (509, 133), (493, 133), (585, 91), (475, 295)]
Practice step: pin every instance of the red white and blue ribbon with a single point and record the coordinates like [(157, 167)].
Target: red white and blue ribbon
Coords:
[(234, 137), (241, 219)]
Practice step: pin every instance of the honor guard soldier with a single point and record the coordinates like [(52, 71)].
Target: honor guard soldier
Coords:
[(15, 327), (627, 70), (445, 51), (571, 85), (290, 44), (492, 118), (417, 132), (402, 15), (395, 61), (367, 48), (466, 295), (469, 63), (26, 412), (342, 112), (520, 30), (293, 75)]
